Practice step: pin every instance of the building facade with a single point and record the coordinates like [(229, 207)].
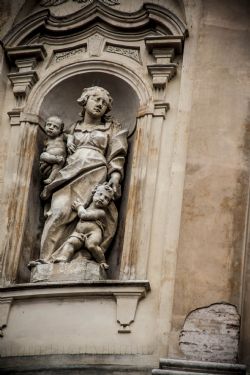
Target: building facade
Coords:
[(177, 139)]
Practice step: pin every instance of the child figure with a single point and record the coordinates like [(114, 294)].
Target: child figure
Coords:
[(54, 155), (90, 228)]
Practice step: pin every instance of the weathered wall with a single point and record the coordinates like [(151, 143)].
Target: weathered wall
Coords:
[(206, 131), (215, 200)]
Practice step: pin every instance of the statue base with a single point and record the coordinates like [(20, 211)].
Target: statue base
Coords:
[(79, 270)]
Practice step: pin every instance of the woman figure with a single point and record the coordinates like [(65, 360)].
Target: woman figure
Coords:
[(97, 148)]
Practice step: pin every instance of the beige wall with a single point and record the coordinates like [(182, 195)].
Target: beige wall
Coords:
[(215, 199)]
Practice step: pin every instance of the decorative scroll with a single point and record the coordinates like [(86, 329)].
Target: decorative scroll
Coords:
[(132, 53), (59, 56)]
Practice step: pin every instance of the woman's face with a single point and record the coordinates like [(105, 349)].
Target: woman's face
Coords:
[(97, 104)]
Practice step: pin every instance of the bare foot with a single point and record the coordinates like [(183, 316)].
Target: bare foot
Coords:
[(104, 266), (34, 263), (61, 259), (45, 194), (47, 181)]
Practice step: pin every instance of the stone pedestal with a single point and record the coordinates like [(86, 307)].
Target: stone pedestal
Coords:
[(79, 270), (182, 367)]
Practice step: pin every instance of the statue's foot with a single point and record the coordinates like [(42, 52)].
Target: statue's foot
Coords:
[(104, 266), (45, 194), (47, 181), (34, 263), (60, 259)]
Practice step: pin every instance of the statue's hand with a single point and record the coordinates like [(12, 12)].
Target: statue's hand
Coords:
[(71, 147), (114, 182), (76, 204), (60, 159)]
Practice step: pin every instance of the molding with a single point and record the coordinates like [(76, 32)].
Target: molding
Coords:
[(23, 82), (36, 51), (161, 109), (162, 74), (175, 42), (164, 49), (170, 366), (49, 3), (126, 294), (25, 58), (44, 23)]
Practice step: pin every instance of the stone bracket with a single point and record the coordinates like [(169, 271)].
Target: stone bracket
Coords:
[(5, 304), (126, 309), (164, 49), (126, 294), (161, 109), (23, 82), (161, 74), (25, 60)]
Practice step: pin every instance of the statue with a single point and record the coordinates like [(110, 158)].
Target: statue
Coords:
[(89, 229), (78, 222), (54, 155)]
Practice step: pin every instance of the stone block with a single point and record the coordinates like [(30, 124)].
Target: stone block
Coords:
[(74, 271), (183, 367), (211, 334)]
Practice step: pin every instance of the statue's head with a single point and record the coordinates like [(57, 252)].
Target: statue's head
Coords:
[(54, 126), (97, 100), (102, 195)]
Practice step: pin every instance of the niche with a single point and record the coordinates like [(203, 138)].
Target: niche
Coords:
[(62, 101)]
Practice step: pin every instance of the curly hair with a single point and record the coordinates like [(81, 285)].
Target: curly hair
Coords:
[(89, 91), (105, 186)]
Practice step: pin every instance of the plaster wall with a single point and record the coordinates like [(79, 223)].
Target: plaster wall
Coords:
[(215, 198)]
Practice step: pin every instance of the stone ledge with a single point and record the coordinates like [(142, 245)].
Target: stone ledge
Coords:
[(127, 295), (183, 367)]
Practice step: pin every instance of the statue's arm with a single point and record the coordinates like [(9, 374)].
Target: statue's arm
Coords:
[(71, 147), (116, 157), (91, 215), (51, 159)]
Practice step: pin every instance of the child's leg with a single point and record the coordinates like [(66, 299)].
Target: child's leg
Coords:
[(68, 249), (55, 169), (92, 243)]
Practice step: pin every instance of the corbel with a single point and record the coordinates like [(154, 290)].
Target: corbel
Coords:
[(164, 49), (5, 304), (126, 306), (25, 60)]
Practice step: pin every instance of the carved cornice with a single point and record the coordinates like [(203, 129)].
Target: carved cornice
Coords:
[(36, 51), (149, 17)]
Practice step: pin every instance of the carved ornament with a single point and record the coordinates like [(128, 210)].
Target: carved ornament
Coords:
[(132, 53), (49, 3)]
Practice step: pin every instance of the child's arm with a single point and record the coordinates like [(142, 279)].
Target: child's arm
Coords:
[(91, 215), (51, 159), (70, 143)]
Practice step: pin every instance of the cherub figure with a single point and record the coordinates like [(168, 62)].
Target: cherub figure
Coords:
[(54, 155), (90, 228)]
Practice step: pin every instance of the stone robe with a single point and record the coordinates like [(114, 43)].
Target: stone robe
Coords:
[(100, 151)]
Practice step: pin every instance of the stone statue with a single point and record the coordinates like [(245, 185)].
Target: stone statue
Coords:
[(54, 155), (90, 228), (96, 151)]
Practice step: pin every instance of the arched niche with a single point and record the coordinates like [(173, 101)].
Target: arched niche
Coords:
[(61, 100)]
